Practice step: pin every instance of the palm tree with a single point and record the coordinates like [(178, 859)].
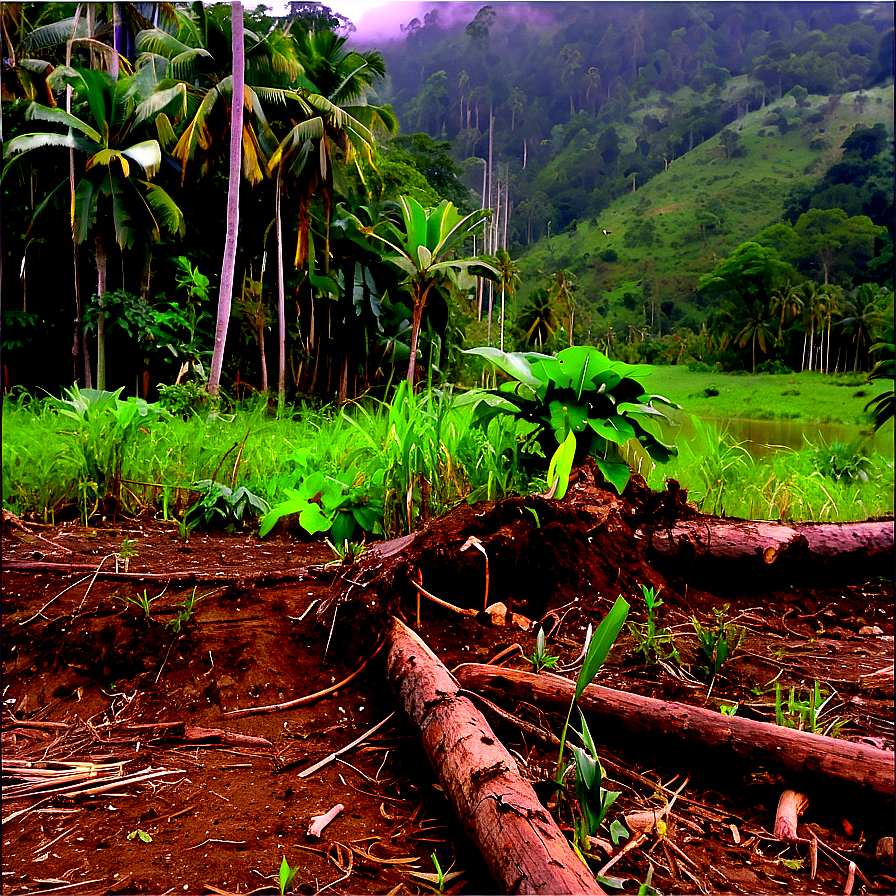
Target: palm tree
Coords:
[(327, 119), (509, 279), (756, 330), (788, 301), (538, 320), (863, 317), (561, 288), (423, 250), (111, 191), (225, 294)]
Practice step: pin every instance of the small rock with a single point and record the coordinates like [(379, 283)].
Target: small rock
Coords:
[(226, 681), (871, 630), (884, 851)]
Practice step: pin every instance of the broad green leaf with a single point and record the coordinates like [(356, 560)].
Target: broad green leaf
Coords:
[(615, 429), (566, 416), (549, 371), (313, 520), (561, 465), (512, 363), (296, 505), (617, 474), (601, 642), (343, 527)]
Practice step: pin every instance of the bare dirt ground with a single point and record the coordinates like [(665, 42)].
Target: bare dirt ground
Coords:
[(123, 773)]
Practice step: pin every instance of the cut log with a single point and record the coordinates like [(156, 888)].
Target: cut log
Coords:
[(758, 742), (519, 840), (712, 544)]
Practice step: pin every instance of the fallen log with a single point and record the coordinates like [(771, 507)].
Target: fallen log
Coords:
[(759, 742), (822, 548), (519, 840)]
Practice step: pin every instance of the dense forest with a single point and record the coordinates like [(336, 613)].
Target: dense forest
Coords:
[(598, 161)]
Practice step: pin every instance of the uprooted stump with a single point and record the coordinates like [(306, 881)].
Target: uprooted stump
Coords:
[(593, 543), (523, 847)]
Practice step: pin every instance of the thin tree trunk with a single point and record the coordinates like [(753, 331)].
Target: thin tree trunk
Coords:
[(79, 348), (101, 263), (116, 36), (225, 295), (281, 303), (415, 336)]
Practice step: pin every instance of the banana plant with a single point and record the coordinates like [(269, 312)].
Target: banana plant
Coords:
[(423, 248), (581, 403)]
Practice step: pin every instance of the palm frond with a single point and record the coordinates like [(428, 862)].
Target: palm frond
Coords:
[(28, 142), (148, 155), (172, 218), (160, 43), (53, 34), (37, 112), (160, 100)]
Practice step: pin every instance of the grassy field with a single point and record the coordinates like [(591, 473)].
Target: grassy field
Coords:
[(802, 397)]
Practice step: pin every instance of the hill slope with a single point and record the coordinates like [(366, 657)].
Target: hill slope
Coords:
[(664, 235)]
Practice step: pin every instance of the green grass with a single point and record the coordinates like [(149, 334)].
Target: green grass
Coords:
[(801, 397)]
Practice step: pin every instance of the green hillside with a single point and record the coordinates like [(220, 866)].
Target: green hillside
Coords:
[(664, 235)]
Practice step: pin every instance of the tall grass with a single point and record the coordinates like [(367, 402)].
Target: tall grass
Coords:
[(827, 482), (419, 455)]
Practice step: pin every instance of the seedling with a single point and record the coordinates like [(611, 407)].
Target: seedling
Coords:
[(141, 601), (541, 659), (601, 642), (717, 643), (729, 709), (655, 644), (221, 507), (349, 552), (647, 889), (185, 614), (440, 883), (142, 835), (286, 876), (805, 714), (594, 801), (127, 550)]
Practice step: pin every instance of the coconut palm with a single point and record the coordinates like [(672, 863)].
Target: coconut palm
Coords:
[(509, 281), (756, 329), (539, 320), (423, 250), (863, 317), (114, 196)]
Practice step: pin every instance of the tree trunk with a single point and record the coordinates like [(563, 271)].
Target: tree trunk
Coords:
[(520, 842), (79, 348), (737, 551), (415, 336), (225, 295), (281, 304), (101, 263), (757, 742)]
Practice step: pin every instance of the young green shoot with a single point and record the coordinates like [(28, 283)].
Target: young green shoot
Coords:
[(601, 642), (286, 876), (541, 659), (140, 835), (141, 601), (654, 643), (594, 801), (716, 643)]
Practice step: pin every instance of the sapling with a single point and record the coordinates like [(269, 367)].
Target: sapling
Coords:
[(286, 876), (717, 643), (541, 659), (594, 801), (601, 642), (655, 644)]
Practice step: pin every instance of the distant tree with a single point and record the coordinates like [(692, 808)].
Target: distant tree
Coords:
[(836, 241)]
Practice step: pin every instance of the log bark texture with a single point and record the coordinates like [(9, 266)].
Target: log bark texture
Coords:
[(519, 840), (760, 742), (769, 542)]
